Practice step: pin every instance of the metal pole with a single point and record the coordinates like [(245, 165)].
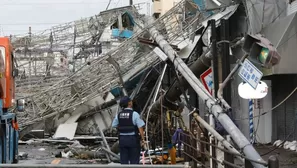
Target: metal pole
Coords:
[(116, 65), (159, 84), (214, 108), (131, 2), (221, 139), (110, 152), (215, 79), (73, 52), (273, 162), (173, 93), (104, 141), (222, 85), (215, 58), (29, 45), (226, 58)]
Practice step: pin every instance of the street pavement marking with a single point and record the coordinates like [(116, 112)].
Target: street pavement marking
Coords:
[(56, 161)]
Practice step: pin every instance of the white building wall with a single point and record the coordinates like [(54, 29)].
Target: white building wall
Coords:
[(162, 6)]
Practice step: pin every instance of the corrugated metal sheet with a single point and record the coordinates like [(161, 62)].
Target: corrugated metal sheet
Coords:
[(292, 8)]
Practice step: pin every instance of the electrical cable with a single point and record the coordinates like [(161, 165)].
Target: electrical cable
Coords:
[(108, 4), (248, 9), (264, 113), (280, 143)]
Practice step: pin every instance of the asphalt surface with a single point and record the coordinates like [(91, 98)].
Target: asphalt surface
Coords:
[(287, 158), (45, 154)]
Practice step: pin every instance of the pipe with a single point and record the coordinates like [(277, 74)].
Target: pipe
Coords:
[(159, 84), (217, 135), (173, 93), (214, 108), (215, 57), (223, 85), (216, 80), (116, 65), (111, 153), (226, 57)]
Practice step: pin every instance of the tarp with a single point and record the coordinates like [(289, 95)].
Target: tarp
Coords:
[(264, 12)]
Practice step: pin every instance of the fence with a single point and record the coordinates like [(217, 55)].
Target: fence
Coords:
[(196, 151)]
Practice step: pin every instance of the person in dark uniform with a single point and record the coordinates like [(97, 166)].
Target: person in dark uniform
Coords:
[(129, 125)]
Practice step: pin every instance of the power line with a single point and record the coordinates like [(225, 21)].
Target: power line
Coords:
[(108, 4), (272, 108)]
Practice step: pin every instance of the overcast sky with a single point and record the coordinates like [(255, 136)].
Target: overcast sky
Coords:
[(18, 15)]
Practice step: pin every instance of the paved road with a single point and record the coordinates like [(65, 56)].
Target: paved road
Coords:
[(287, 158), (44, 154)]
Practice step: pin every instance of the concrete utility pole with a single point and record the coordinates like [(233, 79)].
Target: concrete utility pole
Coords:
[(214, 108)]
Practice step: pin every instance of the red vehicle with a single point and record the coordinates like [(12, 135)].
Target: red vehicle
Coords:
[(9, 126), (8, 73)]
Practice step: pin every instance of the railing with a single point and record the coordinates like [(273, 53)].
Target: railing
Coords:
[(196, 152)]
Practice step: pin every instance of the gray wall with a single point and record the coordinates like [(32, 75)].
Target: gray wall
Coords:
[(285, 116)]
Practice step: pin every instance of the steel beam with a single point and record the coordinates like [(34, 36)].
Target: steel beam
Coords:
[(214, 108)]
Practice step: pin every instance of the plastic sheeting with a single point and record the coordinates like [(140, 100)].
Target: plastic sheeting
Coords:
[(264, 12)]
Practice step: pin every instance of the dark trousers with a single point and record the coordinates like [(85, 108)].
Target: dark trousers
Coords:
[(129, 149)]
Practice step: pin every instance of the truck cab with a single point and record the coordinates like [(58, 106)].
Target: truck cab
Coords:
[(9, 127)]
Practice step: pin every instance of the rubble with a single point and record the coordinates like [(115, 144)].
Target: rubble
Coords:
[(22, 155)]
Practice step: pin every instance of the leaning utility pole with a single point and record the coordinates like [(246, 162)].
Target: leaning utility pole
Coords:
[(211, 103)]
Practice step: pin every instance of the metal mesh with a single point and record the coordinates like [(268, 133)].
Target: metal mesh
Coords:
[(100, 76), (38, 54)]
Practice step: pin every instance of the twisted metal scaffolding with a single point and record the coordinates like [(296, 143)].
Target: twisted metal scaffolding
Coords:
[(97, 77), (49, 56)]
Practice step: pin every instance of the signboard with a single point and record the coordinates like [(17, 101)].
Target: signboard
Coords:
[(245, 91), (250, 74), (206, 78)]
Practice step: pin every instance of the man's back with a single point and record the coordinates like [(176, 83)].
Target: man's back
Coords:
[(136, 120), (129, 125)]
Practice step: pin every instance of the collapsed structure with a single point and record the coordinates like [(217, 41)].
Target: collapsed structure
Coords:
[(86, 99)]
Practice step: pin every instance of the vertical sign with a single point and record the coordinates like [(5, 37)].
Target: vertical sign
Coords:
[(206, 78)]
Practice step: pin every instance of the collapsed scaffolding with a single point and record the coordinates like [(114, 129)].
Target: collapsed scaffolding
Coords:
[(51, 55), (95, 78)]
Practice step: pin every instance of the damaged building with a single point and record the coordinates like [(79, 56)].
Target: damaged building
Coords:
[(81, 69)]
